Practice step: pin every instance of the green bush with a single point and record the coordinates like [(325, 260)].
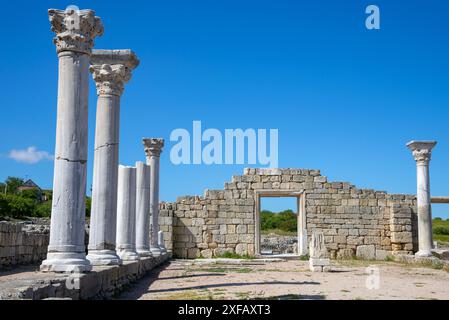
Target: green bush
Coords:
[(285, 220), (43, 209), (19, 207), (31, 194), (441, 230)]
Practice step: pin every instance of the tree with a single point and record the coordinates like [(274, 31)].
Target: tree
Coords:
[(284, 220), (88, 206), (34, 194), (13, 184), (20, 207), (43, 209)]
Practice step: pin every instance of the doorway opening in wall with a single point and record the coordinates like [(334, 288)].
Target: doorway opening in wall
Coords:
[(280, 224)]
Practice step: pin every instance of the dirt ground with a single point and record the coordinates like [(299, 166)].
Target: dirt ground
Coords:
[(291, 279)]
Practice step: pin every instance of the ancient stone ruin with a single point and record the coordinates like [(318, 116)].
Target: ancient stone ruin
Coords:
[(131, 231)]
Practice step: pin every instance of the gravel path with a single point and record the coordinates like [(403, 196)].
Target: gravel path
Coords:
[(196, 280)]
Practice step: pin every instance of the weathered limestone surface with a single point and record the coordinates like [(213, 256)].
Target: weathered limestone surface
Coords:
[(153, 150), (126, 214), (101, 283), (111, 70), (422, 152), (319, 257), (75, 31), (366, 252), (224, 220), (20, 244)]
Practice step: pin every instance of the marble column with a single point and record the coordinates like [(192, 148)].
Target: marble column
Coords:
[(126, 214), (143, 177), (75, 31), (422, 152), (111, 69), (153, 149)]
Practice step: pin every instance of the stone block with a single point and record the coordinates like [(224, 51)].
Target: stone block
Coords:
[(241, 249), (241, 229), (366, 252), (345, 254), (382, 254), (401, 237)]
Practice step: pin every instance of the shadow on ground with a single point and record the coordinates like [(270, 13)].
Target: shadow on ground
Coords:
[(140, 288)]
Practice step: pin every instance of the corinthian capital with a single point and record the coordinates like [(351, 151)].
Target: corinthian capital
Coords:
[(153, 146), (111, 69), (422, 150), (75, 29)]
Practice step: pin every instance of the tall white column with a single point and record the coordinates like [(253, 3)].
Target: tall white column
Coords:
[(143, 177), (126, 214), (422, 152), (111, 69), (153, 149), (75, 31)]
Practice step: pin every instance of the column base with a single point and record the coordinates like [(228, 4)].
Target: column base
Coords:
[(128, 255), (103, 258), (156, 251), (144, 252), (70, 262), (423, 254)]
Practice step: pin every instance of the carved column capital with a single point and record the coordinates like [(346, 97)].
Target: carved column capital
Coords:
[(111, 69), (110, 79), (153, 146), (75, 29), (422, 150)]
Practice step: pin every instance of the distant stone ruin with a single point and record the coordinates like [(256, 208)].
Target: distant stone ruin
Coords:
[(350, 219)]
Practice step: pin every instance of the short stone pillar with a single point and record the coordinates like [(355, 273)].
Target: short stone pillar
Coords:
[(153, 149), (143, 177), (422, 152), (111, 69), (161, 241), (126, 214), (75, 31), (319, 257)]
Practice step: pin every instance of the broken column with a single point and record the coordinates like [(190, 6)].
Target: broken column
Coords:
[(111, 69), (143, 179), (153, 149), (319, 257), (422, 152), (126, 214), (75, 31)]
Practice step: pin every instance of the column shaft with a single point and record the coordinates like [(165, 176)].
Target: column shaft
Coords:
[(126, 214), (104, 193), (143, 177), (154, 204), (425, 238)]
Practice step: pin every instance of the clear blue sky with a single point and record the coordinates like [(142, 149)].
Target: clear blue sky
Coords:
[(345, 99)]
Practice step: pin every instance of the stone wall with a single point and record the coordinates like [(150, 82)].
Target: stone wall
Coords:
[(224, 220), (166, 213), (22, 244)]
